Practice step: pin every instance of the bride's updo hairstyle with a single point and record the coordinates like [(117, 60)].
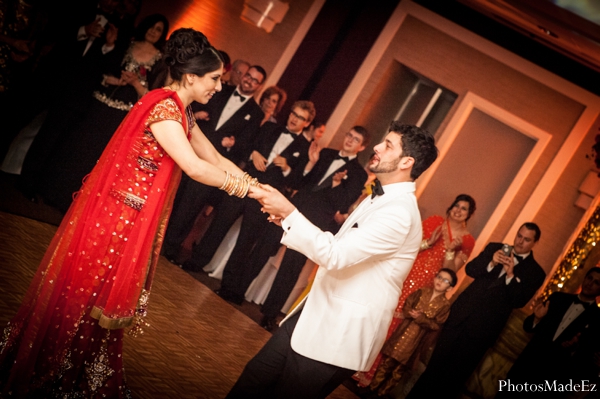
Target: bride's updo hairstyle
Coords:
[(188, 51)]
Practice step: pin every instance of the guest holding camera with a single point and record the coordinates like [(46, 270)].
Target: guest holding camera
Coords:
[(501, 283)]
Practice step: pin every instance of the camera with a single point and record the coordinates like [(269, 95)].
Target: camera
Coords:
[(507, 249)]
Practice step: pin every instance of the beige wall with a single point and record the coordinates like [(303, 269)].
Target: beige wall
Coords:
[(220, 21), (558, 217), (441, 58), (461, 69)]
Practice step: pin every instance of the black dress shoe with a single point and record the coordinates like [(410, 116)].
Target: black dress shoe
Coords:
[(172, 256), (268, 323), (189, 266), (229, 296)]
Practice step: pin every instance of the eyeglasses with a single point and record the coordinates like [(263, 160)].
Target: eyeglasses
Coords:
[(299, 117), (443, 280), (253, 80), (354, 138)]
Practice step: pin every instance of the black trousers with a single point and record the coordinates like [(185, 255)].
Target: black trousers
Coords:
[(258, 240), (285, 280), (278, 372), (189, 201), (227, 211)]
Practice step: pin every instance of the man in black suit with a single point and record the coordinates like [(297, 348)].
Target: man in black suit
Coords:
[(230, 120), (331, 181), (276, 153), (84, 47), (557, 351), (501, 283), (238, 69)]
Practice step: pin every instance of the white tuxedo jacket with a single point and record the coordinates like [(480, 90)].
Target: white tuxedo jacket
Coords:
[(348, 311)]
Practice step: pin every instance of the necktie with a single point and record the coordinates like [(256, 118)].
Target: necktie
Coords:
[(345, 159), (236, 93), (376, 189)]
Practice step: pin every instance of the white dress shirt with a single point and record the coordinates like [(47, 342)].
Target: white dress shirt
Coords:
[(335, 165), (233, 105), (571, 314), (283, 141)]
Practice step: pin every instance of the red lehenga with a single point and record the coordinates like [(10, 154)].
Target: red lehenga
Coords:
[(425, 268), (95, 278)]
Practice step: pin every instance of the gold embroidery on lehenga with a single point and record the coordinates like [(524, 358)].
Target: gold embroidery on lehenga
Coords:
[(5, 337), (131, 200), (99, 371), (140, 313), (65, 365), (166, 109), (147, 164)]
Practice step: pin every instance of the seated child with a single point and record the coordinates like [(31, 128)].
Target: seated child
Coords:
[(424, 310)]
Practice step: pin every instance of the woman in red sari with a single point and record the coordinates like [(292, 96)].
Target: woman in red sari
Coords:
[(95, 278), (446, 243)]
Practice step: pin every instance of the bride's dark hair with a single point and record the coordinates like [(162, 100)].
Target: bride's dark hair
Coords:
[(188, 51)]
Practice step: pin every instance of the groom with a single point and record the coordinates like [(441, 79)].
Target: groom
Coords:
[(341, 325)]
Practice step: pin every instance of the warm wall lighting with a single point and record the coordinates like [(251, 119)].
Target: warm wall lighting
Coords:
[(588, 190), (264, 13)]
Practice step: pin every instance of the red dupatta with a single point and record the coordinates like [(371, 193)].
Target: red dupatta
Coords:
[(115, 303)]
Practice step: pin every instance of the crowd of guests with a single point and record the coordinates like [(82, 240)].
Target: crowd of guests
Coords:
[(438, 342)]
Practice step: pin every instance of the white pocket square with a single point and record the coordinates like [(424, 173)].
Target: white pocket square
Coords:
[(247, 117), (296, 154)]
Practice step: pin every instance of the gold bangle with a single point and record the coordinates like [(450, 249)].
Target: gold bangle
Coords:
[(244, 188), (235, 185), (449, 255), (225, 181), (252, 181), (424, 245)]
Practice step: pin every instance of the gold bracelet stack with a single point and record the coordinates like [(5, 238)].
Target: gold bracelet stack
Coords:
[(424, 245), (449, 255), (238, 185), (253, 181)]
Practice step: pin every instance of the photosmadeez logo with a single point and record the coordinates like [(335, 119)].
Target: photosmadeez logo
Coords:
[(548, 386)]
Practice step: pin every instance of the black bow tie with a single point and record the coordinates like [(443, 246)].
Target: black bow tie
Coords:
[(519, 258), (285, 131), (236, 93), (376, 189), (345, 159), (577, 301)]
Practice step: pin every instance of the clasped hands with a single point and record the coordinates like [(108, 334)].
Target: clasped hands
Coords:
[(414, 313), (507, 262), (273, 202), (437, 233)]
